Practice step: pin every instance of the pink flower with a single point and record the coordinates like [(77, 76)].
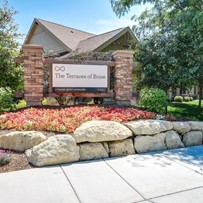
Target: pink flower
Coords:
[(67, 119)]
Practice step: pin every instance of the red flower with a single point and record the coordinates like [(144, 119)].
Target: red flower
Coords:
[(67, 119)]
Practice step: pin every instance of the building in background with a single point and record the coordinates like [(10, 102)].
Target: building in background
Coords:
[(65, 40)]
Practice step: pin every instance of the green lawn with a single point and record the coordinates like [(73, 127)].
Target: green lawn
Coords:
[(187, 110)]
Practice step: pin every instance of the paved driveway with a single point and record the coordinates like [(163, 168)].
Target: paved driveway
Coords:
[(162, 177)]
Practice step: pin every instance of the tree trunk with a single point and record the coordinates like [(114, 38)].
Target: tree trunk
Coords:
[(166, 109), (200, 96), (166, 106)]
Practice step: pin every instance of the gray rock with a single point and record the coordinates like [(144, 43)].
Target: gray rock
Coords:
[(173, 140), (21, 140), (150, 143), (106, 146), (101, 131), (193, 138), (55, 150), (181, 127), (92, 151), (196, 125), (149, 127), (120, 148)]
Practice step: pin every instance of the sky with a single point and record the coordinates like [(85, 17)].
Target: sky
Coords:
[(95, 16)]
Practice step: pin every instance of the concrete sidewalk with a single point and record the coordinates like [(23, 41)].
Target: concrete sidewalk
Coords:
[(169, 176)]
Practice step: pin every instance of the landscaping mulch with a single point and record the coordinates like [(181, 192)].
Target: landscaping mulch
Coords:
[(18, 162)]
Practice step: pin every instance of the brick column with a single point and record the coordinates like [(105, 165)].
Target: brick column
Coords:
[(123, 77), (33, 74)]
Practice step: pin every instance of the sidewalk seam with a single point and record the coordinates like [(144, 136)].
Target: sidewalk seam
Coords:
[(124, 180), (70, 184), (173, 193), (182, 164)]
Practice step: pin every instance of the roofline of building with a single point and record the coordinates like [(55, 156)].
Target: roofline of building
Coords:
[(35, 22), (99, 48), (102, 34), (66, 26), (108, 42)]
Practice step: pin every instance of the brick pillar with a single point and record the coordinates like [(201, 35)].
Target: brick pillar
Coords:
[(123, 77), (33, 74)]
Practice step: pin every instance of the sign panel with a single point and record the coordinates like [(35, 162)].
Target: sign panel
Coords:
[(79, 78)]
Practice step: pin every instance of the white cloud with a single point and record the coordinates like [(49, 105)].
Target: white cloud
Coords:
[(105, 25)]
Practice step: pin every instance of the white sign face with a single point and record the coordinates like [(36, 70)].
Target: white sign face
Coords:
[(79, 78)]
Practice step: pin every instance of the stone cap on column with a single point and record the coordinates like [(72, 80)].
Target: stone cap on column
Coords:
[(33, 47), (122, 54)]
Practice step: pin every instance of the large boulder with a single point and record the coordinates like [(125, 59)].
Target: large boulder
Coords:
[(92, 151), (181, 127), (150, 143), (120, 148), (101, 131), (173, 140), (149, 127), (21, 140), (196, 125), (55, 150), (193, 138)]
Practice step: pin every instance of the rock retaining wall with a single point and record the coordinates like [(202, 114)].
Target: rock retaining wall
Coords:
[(101, 139)]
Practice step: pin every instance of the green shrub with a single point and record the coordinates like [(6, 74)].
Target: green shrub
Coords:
[(186, 99), (153, 99), (178, 99), (5, 157), (21, 104), (44, 101), (6, 100), (191, 98)]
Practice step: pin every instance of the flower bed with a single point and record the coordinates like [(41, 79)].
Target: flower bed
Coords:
[(67, 119)]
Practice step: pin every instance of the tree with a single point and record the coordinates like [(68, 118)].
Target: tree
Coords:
[(11, 72), (170, 41), (121, 7)]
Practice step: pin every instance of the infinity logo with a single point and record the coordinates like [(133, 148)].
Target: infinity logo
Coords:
[(58, 68)]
